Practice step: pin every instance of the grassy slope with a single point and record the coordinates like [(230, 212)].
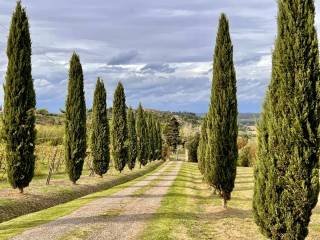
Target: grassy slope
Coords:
[(18, 225), (190, 211), (40, 196)]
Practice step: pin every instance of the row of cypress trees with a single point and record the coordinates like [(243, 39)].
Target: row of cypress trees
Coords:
[(125, 135), (131, 137), (217, 151), (286, 174)]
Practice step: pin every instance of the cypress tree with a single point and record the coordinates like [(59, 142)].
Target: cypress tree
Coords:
[(222, 117), (202, 146), (119, 129), (150, 137), (75, 126), (100, 130), (141, 128), (192, 147), (19, 103), (172, 133), (154, 139), (287, 171), (132, 140), (159, 141)]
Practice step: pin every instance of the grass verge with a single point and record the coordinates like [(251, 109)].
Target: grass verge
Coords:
[(191, 211), (18, 225), (40, 196)]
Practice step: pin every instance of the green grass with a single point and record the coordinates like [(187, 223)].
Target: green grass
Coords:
[(191, 211), (39, 196), (18, 225)]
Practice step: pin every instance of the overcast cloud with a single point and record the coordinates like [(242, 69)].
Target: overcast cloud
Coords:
[(160, 50)]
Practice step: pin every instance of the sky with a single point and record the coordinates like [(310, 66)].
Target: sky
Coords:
[(161, 51)]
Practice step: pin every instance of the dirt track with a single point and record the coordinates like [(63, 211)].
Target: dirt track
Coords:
[(120, 216)]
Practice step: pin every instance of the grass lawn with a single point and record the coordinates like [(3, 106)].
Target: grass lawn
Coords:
[(39, 196), (191, 211)]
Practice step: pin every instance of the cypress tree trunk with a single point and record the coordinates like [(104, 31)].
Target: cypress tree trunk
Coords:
[(287, 171), (100, 130), (141, 128), (132, 140), (222, 117), (19, 103), (75, 126), (119, 129)]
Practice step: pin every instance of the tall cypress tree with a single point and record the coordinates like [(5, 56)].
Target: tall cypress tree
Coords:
[(154, 139), (75, 126), (150, 140), (19, 103), (202, 147), (141, 128), (132, 140), (172, 133), (287, 172), (222, 117), (100, 130), (159, 140), (119, 129)]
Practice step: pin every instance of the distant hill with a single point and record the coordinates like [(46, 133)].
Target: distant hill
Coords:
[(194, 119)]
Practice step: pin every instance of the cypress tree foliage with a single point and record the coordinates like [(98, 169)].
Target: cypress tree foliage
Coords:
[(202, 146), (172, 133), (19, 103), (119, 129), (151, 137), (154, 139), (75, 126), (159, 140), (287, 171), (132, 140), (222, 117), (148, 136), (141, 128), (100, 130), (192, 147)]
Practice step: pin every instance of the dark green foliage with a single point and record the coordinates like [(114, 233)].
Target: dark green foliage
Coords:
[(75, 126), (171, 133), (192, 147), (19, 103), (202, 146), (222, 152), (159, 141), (132, 140), (287, 170), (141, 128), (149, 136), (119, 129), (100, 130)]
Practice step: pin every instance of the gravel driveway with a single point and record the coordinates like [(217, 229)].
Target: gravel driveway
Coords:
[(120, 216)]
